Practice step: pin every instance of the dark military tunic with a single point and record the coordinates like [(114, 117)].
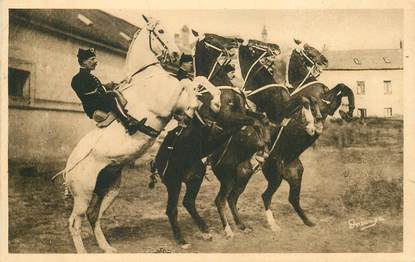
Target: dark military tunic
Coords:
[(181, 74), (91, 93)]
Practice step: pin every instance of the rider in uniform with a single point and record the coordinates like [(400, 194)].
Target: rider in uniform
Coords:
[(186, 67), (97, 97)]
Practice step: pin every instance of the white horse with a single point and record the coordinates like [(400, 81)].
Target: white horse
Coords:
[(151, 93)]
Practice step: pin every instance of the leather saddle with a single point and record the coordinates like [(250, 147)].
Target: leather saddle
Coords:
[(104, 119)]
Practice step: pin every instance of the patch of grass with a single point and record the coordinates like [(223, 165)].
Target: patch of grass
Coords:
[(375, 195), (362, 132)]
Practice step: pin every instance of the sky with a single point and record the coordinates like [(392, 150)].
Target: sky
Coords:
[(338, 29)]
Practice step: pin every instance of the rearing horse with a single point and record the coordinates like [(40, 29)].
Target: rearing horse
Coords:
[(151, 93), (231, 163), (301, 71), (179, 158)]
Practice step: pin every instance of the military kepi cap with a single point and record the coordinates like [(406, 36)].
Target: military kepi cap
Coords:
[(186, 58), (84, 54)]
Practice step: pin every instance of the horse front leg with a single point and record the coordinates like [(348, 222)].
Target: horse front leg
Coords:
[(293, 174), (193, 180), (173, 190), (107, 189), (81, 182), (243, 175)]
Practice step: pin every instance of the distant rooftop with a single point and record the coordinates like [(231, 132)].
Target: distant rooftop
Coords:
[(91, 24), (370, 59)]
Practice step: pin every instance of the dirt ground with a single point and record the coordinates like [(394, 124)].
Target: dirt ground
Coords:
[(339, 185)]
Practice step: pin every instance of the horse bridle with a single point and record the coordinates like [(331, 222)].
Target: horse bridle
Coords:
[(266, 52), (152, 31), (311, 69), (221, 53), (164, 52)]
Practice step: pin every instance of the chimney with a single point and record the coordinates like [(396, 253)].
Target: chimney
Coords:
[(264, 34), (401, 44)]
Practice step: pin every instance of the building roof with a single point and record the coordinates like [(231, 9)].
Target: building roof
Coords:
[(90, 24), (370, 59)]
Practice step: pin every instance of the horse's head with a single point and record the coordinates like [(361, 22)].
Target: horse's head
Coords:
[(309, 117), (271, 50), (211, 53), (226, 44), (150, 44), (312, 58), (161, 43)]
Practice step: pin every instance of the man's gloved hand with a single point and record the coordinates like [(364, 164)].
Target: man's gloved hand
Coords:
[(111, 85)]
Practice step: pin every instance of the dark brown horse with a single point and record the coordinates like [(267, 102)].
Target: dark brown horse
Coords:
[(234, 169), (179, 157)]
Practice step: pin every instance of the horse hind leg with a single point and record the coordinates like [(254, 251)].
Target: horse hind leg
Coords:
[(173, 190), (193, 182), (272, 173), (81, 203), (244, 174), (107, 190), (293, 175), (81, 182)]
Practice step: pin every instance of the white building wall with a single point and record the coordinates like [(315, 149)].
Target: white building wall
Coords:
[(374, 100), (47, 128), (55, 62)]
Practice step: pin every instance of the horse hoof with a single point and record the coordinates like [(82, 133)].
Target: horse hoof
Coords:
[(229, 236), (309, 223), (275, 228), (228, 232), (111, 250), (186, 246), (247, 230), (207, 237)]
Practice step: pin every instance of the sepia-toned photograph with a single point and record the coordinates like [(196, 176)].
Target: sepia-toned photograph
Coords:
[(204, 130)]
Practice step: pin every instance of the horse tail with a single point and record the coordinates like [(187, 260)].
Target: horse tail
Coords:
[(62, 172)]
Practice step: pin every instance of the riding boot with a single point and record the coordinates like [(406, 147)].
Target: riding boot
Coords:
[(131, 124)]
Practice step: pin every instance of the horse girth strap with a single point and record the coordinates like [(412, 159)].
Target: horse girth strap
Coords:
[(284, 123), (225, 150), (304, 86)]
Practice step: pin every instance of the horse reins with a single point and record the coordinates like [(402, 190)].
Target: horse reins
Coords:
[(288, 84)]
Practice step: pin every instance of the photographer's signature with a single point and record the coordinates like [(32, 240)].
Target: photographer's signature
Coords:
[(365, 223)]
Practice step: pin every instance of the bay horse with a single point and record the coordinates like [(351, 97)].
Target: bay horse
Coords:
[(298, 71), (93, 169), (231, 163), (179, 159)]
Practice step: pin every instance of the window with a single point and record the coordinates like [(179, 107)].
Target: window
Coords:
[(356, 61), (85, 20), (125, 36), (19, 83), (386, 60), (362, 112), (388, 111), (387, 87), (360, 87)]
